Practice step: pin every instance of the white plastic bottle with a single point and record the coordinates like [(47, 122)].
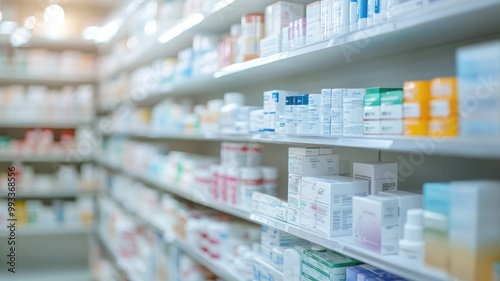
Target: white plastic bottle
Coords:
[(250, 181), (270, 180), (229, 112), (411, 247)]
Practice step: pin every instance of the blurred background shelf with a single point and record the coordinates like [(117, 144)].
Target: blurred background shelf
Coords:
[(6, 123)]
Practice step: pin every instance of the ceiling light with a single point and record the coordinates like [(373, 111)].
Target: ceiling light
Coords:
[(53, 14)]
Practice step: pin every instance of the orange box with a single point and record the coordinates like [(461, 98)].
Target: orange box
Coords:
[(443, 108), (417, 91), (444, 88), (416, 110), (416, 127), (443, 127)]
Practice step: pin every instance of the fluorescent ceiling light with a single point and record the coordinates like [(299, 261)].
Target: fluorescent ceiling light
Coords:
[(53, 14), (184, 25), (220, 5), (107, 32)]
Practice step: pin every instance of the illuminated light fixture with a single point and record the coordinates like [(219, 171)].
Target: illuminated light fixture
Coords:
[(184, 25), (7, 27), (53, 14), (0, 15), (90, 32), (107, 32), (150, 27), (220, 5), (20, 36), (30, 23), (132, 42)]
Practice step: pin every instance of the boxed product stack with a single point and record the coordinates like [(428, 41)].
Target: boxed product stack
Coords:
[(416, 108), (352, 112), (278, 15), (460, 228), (321, 264), (391, 112), (305, 162), (314, 114), (313, 21), (444, 107)]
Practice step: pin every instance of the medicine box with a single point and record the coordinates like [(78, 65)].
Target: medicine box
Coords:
[(380, 176), (474, 229), (392, 127), (376, 223), (332, 200), (274, 106), (281, 14), (326, 265), (270, 45), (313, 12), (407, 200), (474, 63), (293, 215), (372, 106), (294, 183), (391, 105), (320, 165)]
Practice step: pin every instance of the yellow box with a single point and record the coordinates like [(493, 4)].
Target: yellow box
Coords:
[(416, 127), (417, 91), (444, 88), (443, 127)]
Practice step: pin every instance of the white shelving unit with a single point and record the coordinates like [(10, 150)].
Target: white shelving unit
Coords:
[(445, 23), (460, 147), (10, 157), (438, 24), (220, 18), (60, 193), (220, 269), (5, 123), (52, 230), (127, 267), (343, 244), (12, 77)]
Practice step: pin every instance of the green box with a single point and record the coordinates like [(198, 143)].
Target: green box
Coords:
[(327, 263)]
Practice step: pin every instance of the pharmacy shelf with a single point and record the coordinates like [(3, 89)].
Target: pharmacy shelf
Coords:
[(218, 268), (127, 267), (460, 147), (440, 23), (61, 193), (343, 244), (193, 197), (6, 123), (65, 158), (170, 41), (53, 44), (13, 77), (28, 231), (52, 274)]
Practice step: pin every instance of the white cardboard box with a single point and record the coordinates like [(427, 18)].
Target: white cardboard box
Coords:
[(294, 199), (281, 14), (270, 45), (304, 151), (332, 201), (407, 200), (320, 165), (294, 183), (293, 215), (376, 223), (381, 176)]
